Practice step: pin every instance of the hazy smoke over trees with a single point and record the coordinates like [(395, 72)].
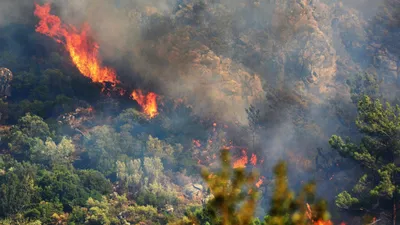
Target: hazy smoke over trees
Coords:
[(290, 59)]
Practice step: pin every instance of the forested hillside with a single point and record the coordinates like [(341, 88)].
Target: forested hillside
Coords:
[(200, 112)]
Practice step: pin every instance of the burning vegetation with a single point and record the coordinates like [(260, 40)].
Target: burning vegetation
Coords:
[(147, 102), (174, 112), (83, 50), (84, 53)]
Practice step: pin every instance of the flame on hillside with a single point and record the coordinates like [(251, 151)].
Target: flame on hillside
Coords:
[(318, 222), (253, 159), (205, 152), (82, 49), (148, 102), (84, 53), (242, 161), (260, 181)]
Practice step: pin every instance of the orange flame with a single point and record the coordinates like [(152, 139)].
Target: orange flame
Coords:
[(84, 52), (148, 102), (253, 159), (319, 222), (322, 222), (242, 161), (208, 159), (260, 181)]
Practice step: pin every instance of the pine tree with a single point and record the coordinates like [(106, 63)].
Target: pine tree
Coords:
[(377, 154), (234, 200), (289, 209)]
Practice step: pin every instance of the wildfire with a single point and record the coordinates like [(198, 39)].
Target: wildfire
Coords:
[(204, 155), (253, 159), (260, 181), (148, 102), (319, 222), (83, 50), (242, 161), (84, 53)]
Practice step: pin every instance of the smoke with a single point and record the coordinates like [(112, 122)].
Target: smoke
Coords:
[(141, 38), (15, 11), (220, 57), (213, 55)]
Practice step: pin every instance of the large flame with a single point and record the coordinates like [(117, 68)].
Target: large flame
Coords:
[(84, 53), (83, 50), (148, 102)]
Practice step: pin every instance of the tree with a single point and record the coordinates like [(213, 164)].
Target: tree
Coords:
[(94, 181), (289, 209), (161, 149), (234, 199), (18, 188), (49, 152), (364, 84), (157, 190), (65, 185), (44, 211), (98, 212), (116, 209), (147, 183), (377, 154), (102, 150), (234, 196), (24, 135), (129, 174)]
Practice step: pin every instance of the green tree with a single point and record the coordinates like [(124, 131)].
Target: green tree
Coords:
[(98, 212), (234, 200), (231, 188), (377, 154), (289, 209), (144, 214), (44, 211), (161, 149), (233, 196), (364, 84), (128, 119), (24, 135), (49, 152), (18, 188), (69, 187), (146, 182), (102, 150), (130, 174), (94, 181)]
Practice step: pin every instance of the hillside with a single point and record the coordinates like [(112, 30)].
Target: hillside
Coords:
[(110, 110)]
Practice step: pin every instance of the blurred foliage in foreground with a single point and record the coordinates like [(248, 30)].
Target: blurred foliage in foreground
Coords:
[(234, 198)]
